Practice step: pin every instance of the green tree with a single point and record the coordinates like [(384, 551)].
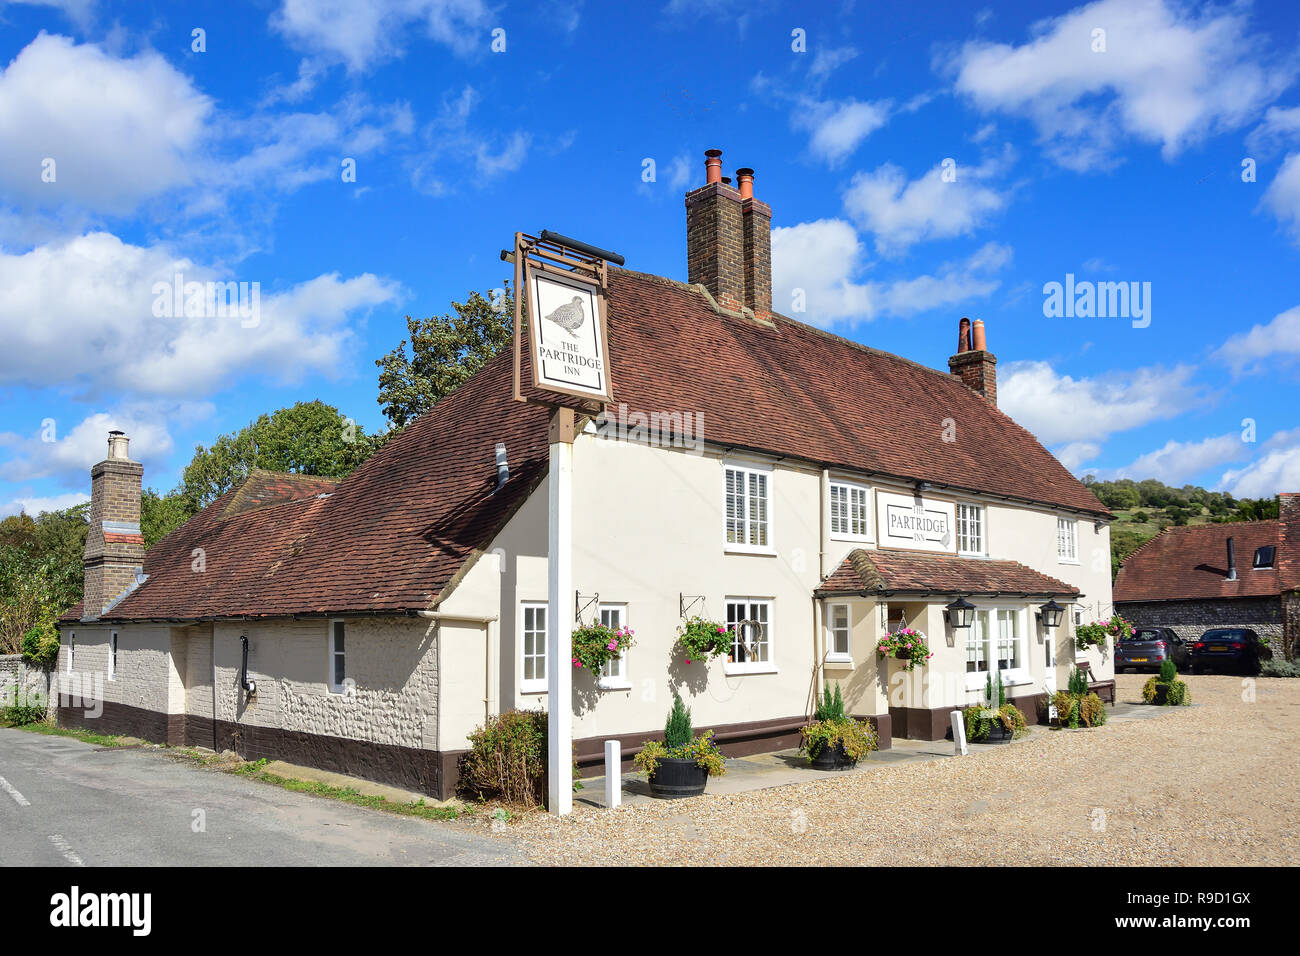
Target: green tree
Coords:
[(309, 438), (40, 571), (444, 351), (160, 515)]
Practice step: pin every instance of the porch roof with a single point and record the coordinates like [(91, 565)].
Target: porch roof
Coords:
[(885, 572)]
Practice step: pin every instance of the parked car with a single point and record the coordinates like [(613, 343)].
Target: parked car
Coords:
[(1227, 648), (1149, 647)]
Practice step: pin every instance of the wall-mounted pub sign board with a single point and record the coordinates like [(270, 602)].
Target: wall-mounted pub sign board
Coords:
[(565, 292), (911, 521)]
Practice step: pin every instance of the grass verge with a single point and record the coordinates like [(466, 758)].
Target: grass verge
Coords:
[(76, 733)]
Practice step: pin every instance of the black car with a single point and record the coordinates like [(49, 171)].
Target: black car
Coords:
[(1228, 648), (1149, 647)]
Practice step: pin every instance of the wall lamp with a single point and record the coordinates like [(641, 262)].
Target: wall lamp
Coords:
[(1051, 614)]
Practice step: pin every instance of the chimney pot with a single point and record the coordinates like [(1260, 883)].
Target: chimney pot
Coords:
[(713, 165), (980, 344), (1232, 560), (745, 179), (117, 445), (963, 335)]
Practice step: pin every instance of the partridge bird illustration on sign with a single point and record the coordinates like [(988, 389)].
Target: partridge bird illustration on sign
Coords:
[(568, 316)]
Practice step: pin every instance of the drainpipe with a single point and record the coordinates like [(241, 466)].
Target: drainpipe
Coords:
[(489, 623)]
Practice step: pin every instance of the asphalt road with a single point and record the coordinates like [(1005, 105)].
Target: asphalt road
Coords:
[(66, 803)]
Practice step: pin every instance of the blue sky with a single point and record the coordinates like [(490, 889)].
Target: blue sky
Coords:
[(923, 162)]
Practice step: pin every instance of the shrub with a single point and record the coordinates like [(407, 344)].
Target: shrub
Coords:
[(995, 694), (1073, 709), (678, 731), (700, 639), (507, 759), (1175, 695), (19, 715), (980, 721), (1278, 667), (40, 646), (702, 750), (857, 736), (831, 706), (1168, 672), (1078, 683)]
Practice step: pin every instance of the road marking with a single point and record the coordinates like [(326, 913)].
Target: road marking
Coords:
[(8, 788), (65, 848)]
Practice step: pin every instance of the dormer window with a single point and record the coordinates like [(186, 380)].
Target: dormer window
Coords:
[(1264, 556)]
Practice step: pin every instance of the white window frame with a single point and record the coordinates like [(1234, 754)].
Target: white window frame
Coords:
[(112, 655), (614, 677), (72, 651), (534, 685), (966, 513), (834, 655), (1020, 674), (747, 472), (337, 687), (767, 666), (850, 490), (1067, 533)]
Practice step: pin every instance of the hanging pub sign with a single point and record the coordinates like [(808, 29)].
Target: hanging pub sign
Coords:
[(563, 281), (911, 521)]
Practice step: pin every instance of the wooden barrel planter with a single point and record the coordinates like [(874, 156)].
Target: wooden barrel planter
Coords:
[(677, 777), (833, 758)]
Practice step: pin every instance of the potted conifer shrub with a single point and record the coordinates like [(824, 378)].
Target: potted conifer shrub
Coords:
[(1167, 689), (835, 741), (995, 721), (682, 765), (1077, 707)]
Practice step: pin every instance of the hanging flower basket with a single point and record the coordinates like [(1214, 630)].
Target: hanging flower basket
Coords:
[(595, 645), (700, 639), (1095, 634), (906, 644)]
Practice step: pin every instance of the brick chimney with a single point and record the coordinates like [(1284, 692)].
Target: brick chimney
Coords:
[(715, 237), (974, 364), (114, 546), (1288, 557), (756, 254)]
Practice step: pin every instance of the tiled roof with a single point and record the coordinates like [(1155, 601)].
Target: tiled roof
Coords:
[(395, 534), (892, 572), (1192, 562)]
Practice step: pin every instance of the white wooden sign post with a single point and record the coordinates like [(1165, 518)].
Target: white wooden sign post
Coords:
[(559, 616), (958, 734)]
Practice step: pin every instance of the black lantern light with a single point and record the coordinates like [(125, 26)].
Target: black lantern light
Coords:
[(961, 613), (1051, 614)]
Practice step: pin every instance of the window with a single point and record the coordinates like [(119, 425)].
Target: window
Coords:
[(750, 623), (1008, 639), (338, 656), (1067, 545), (1264, 556), (747, 509), (613, 676), (72, 651), (534, 647), (977, 651), (112, 655), (838, 625), (970, 529), (849, 511)]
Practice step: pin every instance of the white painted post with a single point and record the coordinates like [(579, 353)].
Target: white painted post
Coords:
[(958, 734), (559, 617), (613, 773)]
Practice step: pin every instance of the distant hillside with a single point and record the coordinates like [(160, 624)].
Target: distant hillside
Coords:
[(1143, 509)]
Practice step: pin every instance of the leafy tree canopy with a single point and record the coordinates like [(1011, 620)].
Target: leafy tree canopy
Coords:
[(444, 351)]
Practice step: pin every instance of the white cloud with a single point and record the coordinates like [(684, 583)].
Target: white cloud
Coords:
[(829, 59), (1059, 408), (1276, 469), (362, 33), (451, 139), (80, 12), (820, 263), (1282, 198), (1170, 74), (837, 128), (35, 506), (81, 312), (1176, 463), (118, 130), (70, 456), (900, 213), (1076, 453), (1279, 337)]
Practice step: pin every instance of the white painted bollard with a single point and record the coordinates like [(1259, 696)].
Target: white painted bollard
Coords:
[(613, 773), (958, 734)]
